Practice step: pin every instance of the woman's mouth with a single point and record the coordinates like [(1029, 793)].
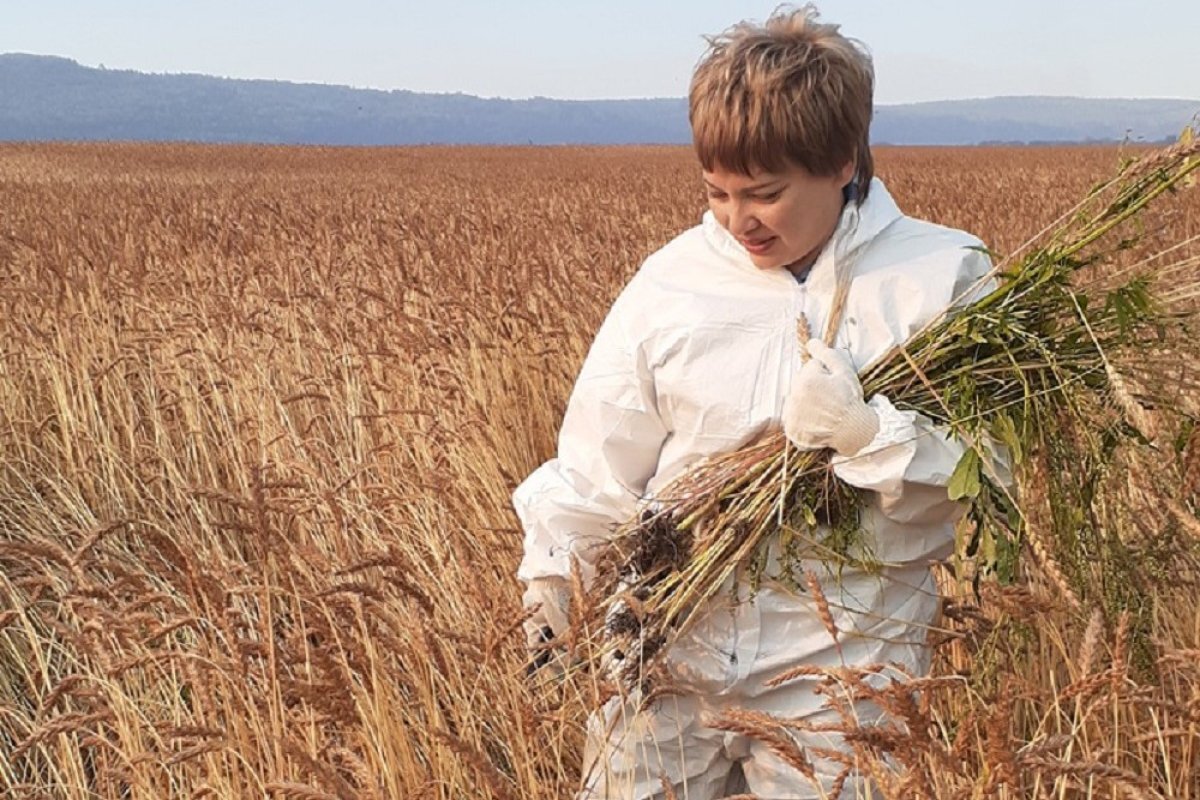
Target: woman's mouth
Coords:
[(758, 247)]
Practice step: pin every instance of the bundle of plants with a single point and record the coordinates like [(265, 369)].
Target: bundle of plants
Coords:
[(1069, 367)]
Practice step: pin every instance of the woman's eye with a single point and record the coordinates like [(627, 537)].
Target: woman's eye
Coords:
[(768, 198)]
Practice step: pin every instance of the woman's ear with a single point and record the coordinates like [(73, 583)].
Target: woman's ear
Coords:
[(846, 174)]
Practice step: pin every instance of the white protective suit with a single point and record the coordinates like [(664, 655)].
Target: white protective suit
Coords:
[(695, 359)]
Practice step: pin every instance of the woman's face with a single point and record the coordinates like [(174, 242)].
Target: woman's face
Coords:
[(782, 219)]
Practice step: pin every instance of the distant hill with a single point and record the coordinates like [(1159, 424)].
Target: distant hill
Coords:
[(1032, 119), (51, 98)]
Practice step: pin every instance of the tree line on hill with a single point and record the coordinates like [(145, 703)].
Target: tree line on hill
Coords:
[(52, 98)]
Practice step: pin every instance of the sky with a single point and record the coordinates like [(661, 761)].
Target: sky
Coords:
[(923, 49)]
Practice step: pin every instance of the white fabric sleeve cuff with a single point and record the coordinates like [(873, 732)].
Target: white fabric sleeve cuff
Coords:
[(552, 599)]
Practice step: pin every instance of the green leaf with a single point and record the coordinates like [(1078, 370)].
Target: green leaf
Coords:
[(1130, 304), (1008, 556), (1184, 438), (987, 547), (810, 516), (1004, 431), (966, 481)]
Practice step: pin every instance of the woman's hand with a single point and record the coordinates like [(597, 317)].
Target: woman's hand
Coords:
[(549, 598), (825, 407)]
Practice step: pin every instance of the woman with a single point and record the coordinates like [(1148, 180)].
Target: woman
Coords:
[(699, 355)]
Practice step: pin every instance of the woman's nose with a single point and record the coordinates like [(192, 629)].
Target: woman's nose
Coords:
[(742, 220)]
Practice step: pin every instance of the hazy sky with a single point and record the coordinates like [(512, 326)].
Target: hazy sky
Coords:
[(924, 49)]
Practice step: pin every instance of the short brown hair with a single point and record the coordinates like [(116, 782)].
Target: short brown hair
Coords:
[(792, 89)]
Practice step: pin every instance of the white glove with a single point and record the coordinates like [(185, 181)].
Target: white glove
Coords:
[(825, 406), (551, 596)]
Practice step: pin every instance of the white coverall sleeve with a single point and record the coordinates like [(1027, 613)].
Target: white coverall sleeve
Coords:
[(910, 460), (608, 449), (909, 464)]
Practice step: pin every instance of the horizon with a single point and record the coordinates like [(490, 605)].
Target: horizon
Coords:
[(135, 70), (924, 52)]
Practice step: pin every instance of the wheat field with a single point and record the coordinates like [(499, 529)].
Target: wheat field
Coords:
[(261, 411)]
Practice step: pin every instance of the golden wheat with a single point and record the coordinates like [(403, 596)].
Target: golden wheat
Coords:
[(261, 410)]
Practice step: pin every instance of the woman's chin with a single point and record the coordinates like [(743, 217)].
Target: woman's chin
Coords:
[(767, 262)]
